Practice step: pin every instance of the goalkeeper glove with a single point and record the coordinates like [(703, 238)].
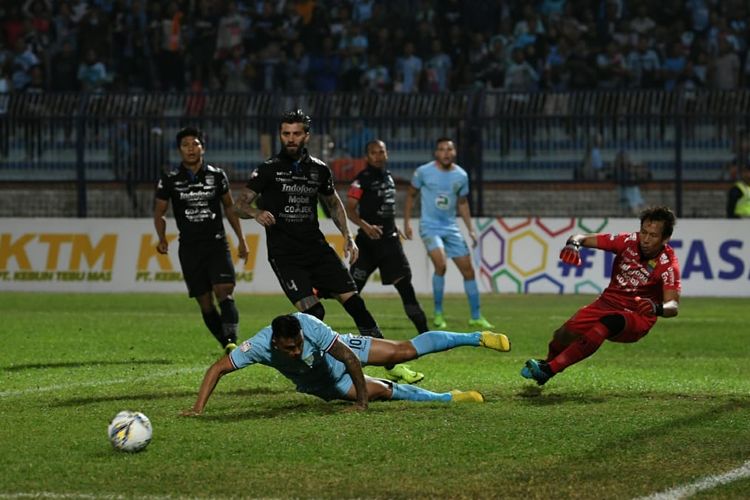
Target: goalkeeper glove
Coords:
[(648, 307), (571, 254)]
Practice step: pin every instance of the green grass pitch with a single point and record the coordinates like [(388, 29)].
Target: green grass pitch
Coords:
[(632, 420)]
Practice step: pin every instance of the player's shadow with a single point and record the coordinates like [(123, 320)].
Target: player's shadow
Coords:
[(86, 364), (155, 396), (659, 432), (536, 396), (318, 408), (123, 397)]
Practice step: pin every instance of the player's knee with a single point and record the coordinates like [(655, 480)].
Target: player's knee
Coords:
[(317, 310), (401, 351), (378, 390), (440, 269), (223, 290), (614, 323)]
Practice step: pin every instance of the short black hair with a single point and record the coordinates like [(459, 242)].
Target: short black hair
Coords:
[(189, 132), (285, 326), (296, 116), (443, 139), (663, 214), (372, 143)]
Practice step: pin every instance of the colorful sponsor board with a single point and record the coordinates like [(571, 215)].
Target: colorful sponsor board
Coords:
[(512, 256)]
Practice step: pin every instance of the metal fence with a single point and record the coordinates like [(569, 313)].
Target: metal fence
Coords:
[(621, 138)]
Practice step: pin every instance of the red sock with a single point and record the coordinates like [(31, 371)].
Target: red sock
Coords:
[(581, 348), (554, 348)]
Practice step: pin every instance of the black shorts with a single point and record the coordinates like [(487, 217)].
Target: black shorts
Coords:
[(204, 264), (386, 254), (317, 267)]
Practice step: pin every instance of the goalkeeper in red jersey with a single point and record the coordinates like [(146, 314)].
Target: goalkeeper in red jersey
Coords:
[(645, 284)]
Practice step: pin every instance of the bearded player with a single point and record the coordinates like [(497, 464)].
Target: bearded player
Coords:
[(645, 285)]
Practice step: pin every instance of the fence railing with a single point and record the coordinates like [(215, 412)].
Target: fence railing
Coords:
[(621, 137)]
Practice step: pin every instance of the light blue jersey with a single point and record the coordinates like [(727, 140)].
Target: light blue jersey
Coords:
[(316, 371), (439, 192)]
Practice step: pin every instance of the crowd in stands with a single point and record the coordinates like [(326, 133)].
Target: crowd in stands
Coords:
[(373, 45)]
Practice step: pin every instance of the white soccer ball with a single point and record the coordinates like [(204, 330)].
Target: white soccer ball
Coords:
[(129, 431)]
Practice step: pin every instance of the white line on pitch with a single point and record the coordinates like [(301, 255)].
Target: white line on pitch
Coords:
[(98, 383), (703, 484)]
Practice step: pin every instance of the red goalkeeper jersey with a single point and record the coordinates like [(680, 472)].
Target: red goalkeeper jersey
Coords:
[(634, 276)]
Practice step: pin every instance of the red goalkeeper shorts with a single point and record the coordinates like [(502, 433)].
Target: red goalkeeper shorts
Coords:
[(636, 325)]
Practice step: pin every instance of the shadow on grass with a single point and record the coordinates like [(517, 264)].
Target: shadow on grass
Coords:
[(536, 396), (162, 395), (659, 432), (86, 364)]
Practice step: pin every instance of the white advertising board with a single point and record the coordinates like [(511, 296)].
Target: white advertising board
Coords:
[(513, 256)]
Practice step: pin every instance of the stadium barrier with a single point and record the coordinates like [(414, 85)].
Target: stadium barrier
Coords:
[(125, 140), (514, 255)]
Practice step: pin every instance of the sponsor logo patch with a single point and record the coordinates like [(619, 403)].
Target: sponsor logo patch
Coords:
[(246, 346)]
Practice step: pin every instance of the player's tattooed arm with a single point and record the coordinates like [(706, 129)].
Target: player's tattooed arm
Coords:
[(244, 208), (336, 208), (338, 214), (341, 352)]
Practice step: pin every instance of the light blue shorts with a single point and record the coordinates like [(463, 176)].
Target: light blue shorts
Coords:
[(339, 382), (448, 238)]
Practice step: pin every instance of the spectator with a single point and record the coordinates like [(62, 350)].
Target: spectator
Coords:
[(92, 73), (297, 67), (376, 77), (642, 24), (643, 65), (738, 198), (520, 76), (724, 71), (409, 69), (65, 69), (171, 50), (438, 68), (231, 31), (204, 28), (95, 32), (593, 167), (613, 73), (325, 67), (237, 72), (674, 66), (628, 176), (23, 60), (270, 68)]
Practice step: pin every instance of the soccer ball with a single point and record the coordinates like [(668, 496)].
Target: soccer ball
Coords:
[(129, 431)]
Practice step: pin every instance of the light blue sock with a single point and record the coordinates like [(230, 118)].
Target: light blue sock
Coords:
[(438, 288), (472, 292), (413, 393), (436, 341)]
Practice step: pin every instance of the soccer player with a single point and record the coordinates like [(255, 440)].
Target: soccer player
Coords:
[(645, 285), (289, 184), (198, 192), (371, 205), (444, 187), (328, 365)]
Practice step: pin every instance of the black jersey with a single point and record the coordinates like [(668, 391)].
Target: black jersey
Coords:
[(196, 201), (289, 188), (376, 192)]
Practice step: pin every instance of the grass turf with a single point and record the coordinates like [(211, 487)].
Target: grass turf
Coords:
[(631, 420)]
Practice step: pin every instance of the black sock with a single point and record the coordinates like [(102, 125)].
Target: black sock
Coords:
[(411, 305), (317, 310), (213, 322), (230, 319), (356, 308)]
